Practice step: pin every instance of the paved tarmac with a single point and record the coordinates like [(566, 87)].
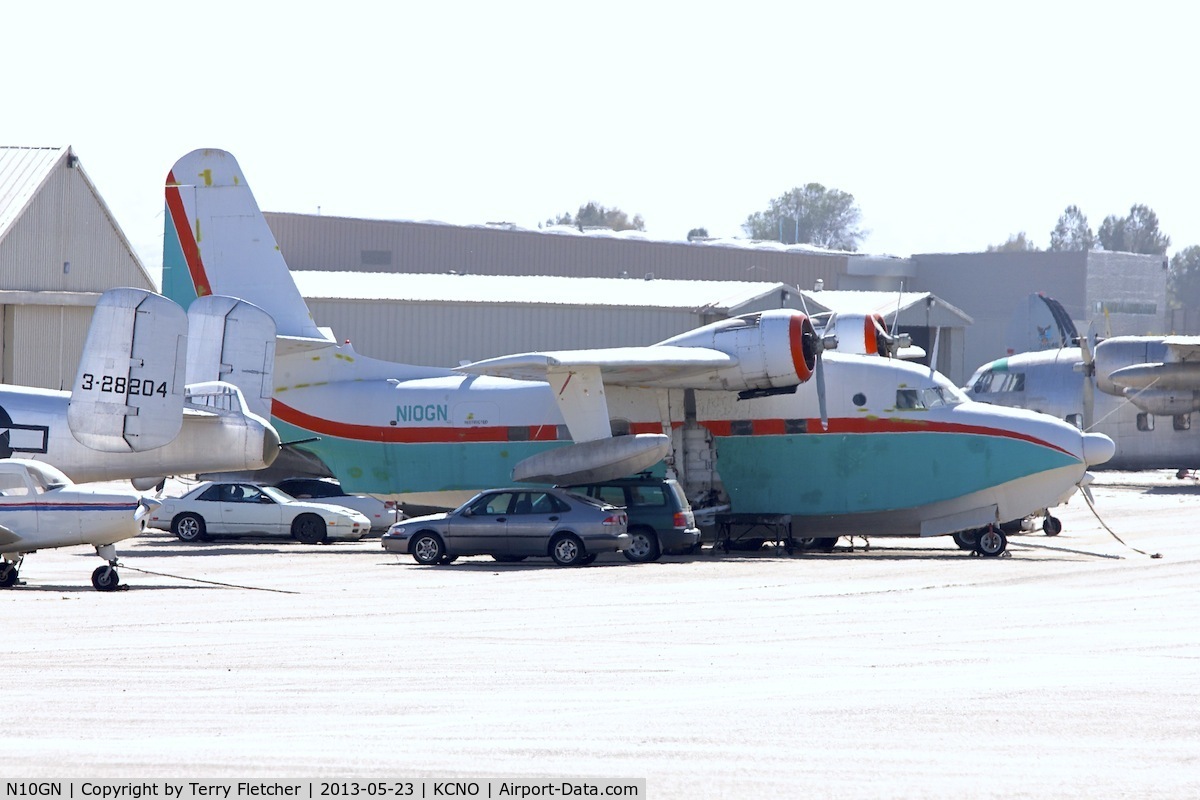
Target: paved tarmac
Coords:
[(912, 669)]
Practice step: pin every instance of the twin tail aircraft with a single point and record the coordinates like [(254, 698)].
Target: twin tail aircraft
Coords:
[(759, 410), (156, 394)]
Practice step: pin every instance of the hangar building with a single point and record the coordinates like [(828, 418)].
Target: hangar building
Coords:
[(1123, 292), (60, 248)]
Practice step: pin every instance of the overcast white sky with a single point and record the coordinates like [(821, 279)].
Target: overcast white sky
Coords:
[(953, 124)]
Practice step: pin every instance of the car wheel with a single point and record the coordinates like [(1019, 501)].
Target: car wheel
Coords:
[(309, 529), (567, 550), (427, 548), (643, 546), (190, 528)]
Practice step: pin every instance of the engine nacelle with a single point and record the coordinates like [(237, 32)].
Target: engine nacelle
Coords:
[(865, 334), (774, 349), (1125, 351), (1164, 403)]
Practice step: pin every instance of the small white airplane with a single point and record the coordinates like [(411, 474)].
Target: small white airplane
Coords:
[(150, 400), (41, 508), (1149, 388), (753, 408)]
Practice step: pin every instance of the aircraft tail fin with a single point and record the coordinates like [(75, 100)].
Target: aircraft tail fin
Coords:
[(129, 390), (233, 341), (216, 241)]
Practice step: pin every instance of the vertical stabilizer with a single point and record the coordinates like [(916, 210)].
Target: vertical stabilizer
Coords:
[(233, 341), (128, 393), (218, 242)]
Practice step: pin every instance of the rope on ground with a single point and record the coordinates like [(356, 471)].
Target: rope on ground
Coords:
[(1103, 524), (211, 583)]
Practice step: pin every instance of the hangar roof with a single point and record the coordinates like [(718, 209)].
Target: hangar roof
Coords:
[(536, 289), (22, 171), (914, 307)]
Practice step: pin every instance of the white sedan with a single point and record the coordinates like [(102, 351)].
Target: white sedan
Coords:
[(217, 508)]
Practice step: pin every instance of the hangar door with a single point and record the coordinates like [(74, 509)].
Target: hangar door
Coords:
[(42, 344)]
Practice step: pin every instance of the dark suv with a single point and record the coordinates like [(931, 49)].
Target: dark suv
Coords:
[(660, 518)]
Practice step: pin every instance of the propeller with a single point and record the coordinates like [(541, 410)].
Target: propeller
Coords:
[(820, 345), (1088, 368)]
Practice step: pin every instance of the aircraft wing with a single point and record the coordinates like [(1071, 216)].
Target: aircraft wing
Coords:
[(653, 366)]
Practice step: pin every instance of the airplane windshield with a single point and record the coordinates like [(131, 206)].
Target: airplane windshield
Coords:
[(932, 397)]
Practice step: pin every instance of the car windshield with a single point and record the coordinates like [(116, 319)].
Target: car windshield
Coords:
[(278, 495)]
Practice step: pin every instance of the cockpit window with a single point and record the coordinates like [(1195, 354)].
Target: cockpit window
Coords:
[(999, 382), (933, 397)]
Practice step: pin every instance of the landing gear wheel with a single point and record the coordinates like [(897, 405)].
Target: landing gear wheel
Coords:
[(8, 576), (105, 579), (444, 560), (309, 529), (567, 551), (825, 544), (643, 546), (189, 528), (966, 540), (1051, 526), (427, 549), (992, 542)]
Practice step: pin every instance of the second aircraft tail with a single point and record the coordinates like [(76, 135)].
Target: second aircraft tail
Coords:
[(216, 241)]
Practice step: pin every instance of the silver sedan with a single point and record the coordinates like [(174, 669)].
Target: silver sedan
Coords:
[(514, 524)]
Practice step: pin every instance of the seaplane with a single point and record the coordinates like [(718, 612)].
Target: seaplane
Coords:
[(759, 411)]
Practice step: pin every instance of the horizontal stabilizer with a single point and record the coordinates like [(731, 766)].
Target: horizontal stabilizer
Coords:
[(233, 341), (128, 393), (653, 366), (600, 460)]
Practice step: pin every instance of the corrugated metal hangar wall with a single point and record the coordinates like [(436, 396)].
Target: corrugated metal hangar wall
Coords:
[(59, 249)]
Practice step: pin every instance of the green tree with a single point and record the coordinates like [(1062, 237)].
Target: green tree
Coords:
[(1183, 279), (810, 214), (1017, 243), (594, 215), (697, 233), (1072, 232), (1136, 233)]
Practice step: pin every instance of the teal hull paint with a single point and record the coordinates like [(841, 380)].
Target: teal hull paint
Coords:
[(176, 280), (378, 468), (822, 474)]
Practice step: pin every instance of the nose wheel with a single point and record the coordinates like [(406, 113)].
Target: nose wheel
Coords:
[(8, 573), (105, 578)]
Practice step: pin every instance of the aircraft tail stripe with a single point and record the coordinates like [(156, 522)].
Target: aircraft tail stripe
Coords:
[(187, 240)]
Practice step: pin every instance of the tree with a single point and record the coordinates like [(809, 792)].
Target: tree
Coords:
[(1017, 243), (1072, 232), (697, 233), (810, 214), (1137, 233), (1183, 279), (594, 215)]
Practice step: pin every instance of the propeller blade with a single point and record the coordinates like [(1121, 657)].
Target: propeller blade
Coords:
[(821, 393), (1086, 348)]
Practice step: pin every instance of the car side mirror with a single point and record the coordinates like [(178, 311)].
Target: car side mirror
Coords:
[(262, 498), (468, 512)]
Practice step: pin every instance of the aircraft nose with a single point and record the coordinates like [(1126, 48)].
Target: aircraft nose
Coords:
[(270, 444), (1097, 448)]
